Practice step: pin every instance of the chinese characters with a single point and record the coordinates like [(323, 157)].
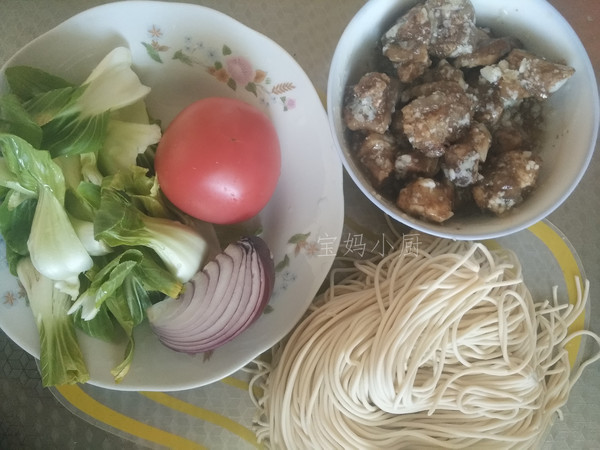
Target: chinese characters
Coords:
[(356, 245)]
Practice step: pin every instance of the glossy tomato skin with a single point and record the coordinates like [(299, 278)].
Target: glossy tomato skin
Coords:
[(219, 160)]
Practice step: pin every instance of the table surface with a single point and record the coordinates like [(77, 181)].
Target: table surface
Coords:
[(34, 417)]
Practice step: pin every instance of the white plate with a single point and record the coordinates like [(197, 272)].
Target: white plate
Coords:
[(186, 52)]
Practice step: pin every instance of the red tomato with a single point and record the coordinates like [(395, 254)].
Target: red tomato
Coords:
[(219, 160)]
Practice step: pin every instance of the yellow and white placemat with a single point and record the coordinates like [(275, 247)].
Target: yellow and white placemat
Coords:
[(219, 415)]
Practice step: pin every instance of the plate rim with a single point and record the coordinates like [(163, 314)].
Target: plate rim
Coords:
[(332, 183)]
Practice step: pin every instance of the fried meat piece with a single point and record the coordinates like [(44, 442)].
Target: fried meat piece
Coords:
[(510, 137), (427, 199), (507, 82), (488, 52), (409, 59), (406, 44), (444, 71), (462, 159), (523, 75), (540, 77), (507, 180), (518, 127), (431, 122), (453, 27), (425, 89), (411, 163), (370, 103), (488, 105), (377, 153), (412, 26)]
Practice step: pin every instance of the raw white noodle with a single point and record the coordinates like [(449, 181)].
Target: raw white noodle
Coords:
[(440, 348)]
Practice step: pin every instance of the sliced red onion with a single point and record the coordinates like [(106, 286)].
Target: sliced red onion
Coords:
[(242, 308), (220, 301)]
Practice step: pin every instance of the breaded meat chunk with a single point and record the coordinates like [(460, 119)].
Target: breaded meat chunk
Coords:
[(406, 44), (370, 103), (507, 180), (453, 28), (522, 75), (428, 199), (462, 160), (411, 164), (431, 122), (488, 51), (378, 154)]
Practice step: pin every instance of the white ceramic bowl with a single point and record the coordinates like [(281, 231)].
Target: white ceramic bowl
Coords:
[(184, 53), (573, 112)]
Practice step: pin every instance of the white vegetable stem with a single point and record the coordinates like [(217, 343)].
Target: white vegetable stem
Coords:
[(124, 142), (112, 85), (180, 248), (61, 360), (55, 250), (85, 232)]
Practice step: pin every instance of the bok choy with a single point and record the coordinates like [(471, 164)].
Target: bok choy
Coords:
[(75, 119), (119, 222), (86, 228), (54, 248), (61, 359)]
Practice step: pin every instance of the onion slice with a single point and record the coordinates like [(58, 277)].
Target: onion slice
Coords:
[(220, 301)]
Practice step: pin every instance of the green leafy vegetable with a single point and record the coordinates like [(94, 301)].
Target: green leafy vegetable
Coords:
[(119, 289), (46, 106), (83, 201), (26, 82), (142, 189), (75, 119), (14, 119), (89, 168), (124, 142), (53, 245), (103, 326), (112, 85), (29, 167), (70, 134), (15, 226), (119, 222), (105, 283), (87, 230), (61, 359)]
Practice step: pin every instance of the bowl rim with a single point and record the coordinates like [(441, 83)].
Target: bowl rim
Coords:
[(366, 13)]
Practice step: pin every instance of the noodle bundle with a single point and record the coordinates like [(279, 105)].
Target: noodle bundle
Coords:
[(439, 348)]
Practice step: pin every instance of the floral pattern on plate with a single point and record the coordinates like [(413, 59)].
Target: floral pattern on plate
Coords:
[(302, 244), (10, 297), (310, 197), (236, 71)]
